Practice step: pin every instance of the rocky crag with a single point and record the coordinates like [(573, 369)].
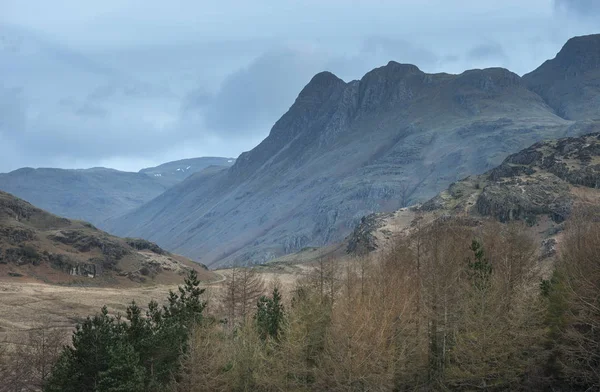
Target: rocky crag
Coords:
[(541, 185)]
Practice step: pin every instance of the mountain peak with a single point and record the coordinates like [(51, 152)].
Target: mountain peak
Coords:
[(392, 70), (569, 82), (580, 54), (320, 85), (395, 66)]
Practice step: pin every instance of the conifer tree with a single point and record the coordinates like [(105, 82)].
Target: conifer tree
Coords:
[(269, 315), (142, 354)]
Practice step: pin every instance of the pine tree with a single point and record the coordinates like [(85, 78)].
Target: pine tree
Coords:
[(269, 315), (79, 366), (124, 372), (143, 354)]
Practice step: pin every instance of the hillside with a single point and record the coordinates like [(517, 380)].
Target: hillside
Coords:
[(541, 185), (39, 245), (344, 150), (570, 83), (91, 194), (171, 173), (96, 194)]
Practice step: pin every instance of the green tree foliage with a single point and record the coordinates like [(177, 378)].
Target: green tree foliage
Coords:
[(269, 315), (124, 372), (143, 353)]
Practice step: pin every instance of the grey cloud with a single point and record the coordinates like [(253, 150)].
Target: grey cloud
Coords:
[(12, 111), (254, 97), (257, 95), (584, 8), (90, 110), (399, 50), (102, 82), (491, 50)]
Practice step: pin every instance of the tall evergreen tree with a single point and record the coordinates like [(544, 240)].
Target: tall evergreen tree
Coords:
[(80, 366), (270, 315)]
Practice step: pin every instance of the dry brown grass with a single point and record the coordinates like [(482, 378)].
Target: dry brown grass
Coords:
[(23, 305), (26, 303)]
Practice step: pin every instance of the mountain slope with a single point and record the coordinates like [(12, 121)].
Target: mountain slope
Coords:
[(344, 150), (570, 82), (171, 173), (542, 185), (92, 194), (96, 194), (38, 244)]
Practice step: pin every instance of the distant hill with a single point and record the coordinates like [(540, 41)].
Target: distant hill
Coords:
[(172, 173), (92, 195), (40, 245), (96, 194), (344, 150)]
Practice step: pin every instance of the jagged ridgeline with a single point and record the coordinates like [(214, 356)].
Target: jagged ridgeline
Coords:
[(38, 244), (396, 137)]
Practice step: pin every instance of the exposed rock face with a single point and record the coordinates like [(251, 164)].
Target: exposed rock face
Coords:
[(362, 240), (524, 199), (540, 180), (88, 270), (542, 183), (344, 150), (141, 244)]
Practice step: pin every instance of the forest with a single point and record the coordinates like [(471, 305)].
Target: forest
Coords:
[(449, 307)]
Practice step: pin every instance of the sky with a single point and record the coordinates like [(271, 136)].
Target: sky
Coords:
[(129, 84)]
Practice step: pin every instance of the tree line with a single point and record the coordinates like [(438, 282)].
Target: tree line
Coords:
[(448, 307)]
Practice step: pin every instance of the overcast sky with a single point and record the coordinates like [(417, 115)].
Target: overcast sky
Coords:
[(135, 83)]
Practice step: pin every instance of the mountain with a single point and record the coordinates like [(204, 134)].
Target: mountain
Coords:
[(92, 194), (96, 194), (542, 185), (171, 173), (344, 150), (570, 83), (37, 244)]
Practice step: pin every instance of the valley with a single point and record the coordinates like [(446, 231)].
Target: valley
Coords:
[(404, 231)]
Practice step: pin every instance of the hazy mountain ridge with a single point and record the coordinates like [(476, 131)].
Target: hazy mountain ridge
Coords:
[(98, 193), (35, 243), (343, 150), (171, 173)]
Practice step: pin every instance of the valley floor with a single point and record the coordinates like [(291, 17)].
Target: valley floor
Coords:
[(26, 305)]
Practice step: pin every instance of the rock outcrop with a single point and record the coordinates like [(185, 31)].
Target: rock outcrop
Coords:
[(542, 183)]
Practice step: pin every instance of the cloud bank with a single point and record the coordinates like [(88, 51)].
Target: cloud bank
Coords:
[(134, 83)]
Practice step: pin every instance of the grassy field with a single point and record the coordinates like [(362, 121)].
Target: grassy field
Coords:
[(26, 304)]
